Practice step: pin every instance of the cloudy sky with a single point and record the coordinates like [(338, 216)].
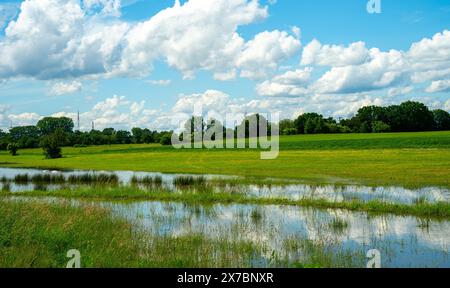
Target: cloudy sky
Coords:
[(126, 63)]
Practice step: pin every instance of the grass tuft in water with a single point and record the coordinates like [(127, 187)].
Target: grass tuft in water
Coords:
[(88, 178), (338, 225), (22, 179), (147, 180), (189, 181)]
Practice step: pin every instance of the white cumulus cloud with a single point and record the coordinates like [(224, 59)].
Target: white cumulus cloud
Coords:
[(62, 88), (334, 55), (439, 86), (56, 39), (291, 83)]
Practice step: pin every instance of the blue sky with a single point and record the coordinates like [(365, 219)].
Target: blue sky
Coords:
[(41, 76)]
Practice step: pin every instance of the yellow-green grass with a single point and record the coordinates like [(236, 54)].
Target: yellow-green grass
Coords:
[(406, 159)]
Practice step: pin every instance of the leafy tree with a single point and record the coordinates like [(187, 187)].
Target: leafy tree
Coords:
[(310, 123), (25, 136), (148, 136), (287, 126), (49, 125), (336, 128), (253, 123), (441, 120), (289, 131), (12, 148), (137, 135), (365, 127), (368, 115), (315, 125), (166, 139), (214, 128), (301, 120), (380, 127), (353, 124), (410, 117), (108, 136), (51, 144), (4, 140), (123, 137)]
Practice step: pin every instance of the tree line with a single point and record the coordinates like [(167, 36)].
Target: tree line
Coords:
[(407, 117), (52, 133)]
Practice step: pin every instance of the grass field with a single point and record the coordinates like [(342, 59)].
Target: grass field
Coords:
[(406, 159)]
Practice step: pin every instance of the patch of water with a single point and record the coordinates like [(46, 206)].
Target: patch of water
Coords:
[(402, 241), (291, 191)]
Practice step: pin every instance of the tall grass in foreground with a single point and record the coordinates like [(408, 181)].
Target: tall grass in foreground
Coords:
[(39, 235), (36, 234)]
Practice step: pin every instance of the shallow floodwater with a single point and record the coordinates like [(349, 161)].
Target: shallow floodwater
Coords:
[(281, 230), (402, 241), (289, 190)]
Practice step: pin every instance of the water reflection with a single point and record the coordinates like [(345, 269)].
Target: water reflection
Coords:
[(286, 231), (403, 241), (292, 191)]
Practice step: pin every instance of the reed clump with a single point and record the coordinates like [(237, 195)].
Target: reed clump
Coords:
[(189, 181), (88, 178), (147, 180)]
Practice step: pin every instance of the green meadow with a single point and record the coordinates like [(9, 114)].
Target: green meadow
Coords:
[(406, 159), (37, 232)]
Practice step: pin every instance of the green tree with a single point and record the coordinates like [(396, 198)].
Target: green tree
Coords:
[(49, 125), (368, 115), (147, 136), (25, 136), (441, 120), (12, 148), (410, 117), (311, 123), (287, 127), (109, 136), (4, 140), (380, 127), (123, 137), (51, 144), (137, 135), (214, 128), (166, 139), (252, 123)]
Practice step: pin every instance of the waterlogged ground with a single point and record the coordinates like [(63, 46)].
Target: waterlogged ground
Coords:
[(288, 236), (285, 231), (287, 190), (292, 234)]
